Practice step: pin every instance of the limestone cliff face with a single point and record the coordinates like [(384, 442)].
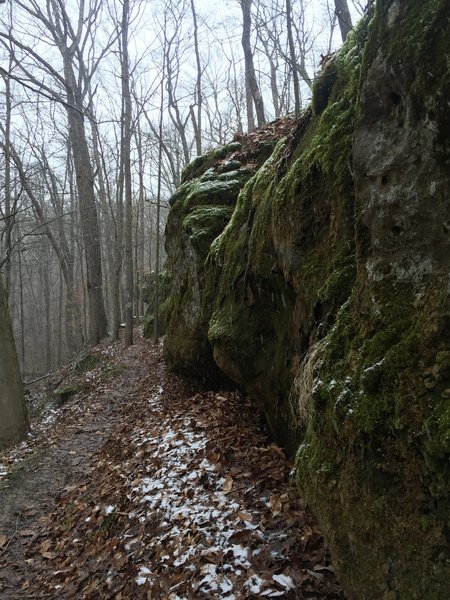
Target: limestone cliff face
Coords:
[(325, 293), (201, 209)]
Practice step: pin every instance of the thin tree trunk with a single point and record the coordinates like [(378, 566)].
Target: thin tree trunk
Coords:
[(90, 229), (198, 90), (9, 219), (126, 153), (45, 274), (158, 205), (140, 227), (344, 18), (59, 332), (297, 99), (22, 314), (14, 421), (118, 258), (250, 75)]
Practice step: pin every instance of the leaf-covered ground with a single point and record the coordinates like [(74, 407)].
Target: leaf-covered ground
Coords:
[(142, 487)]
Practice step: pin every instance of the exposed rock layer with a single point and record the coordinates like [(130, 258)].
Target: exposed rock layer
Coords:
[(318, 280)]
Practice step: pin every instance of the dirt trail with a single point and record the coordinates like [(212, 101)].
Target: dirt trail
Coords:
[(142, 488), (57, 458)]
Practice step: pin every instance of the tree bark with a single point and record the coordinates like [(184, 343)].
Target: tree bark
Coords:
[(297, 99), (197, 121), (9, 220), (250, 75), (13, 415), (90, 229), (126, 163), (344, 18)]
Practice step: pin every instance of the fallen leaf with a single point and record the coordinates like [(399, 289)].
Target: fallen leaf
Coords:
[(45, 546), (318, 576), (244, 516), (27, 532), (275, 504), (3, 540), (228, 483)]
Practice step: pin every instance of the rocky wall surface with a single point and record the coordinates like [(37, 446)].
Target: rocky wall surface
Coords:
[(322, 288)]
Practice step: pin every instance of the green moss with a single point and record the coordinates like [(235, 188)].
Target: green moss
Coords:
[(229, 165), (195, 167), (202, 163), (338, 286), (62, 395), (88, 362), (323, 86), (165, 277), (224, 151), (213, 192), (203, 225)]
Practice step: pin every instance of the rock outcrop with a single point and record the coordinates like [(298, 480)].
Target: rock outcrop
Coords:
[(317, 279)]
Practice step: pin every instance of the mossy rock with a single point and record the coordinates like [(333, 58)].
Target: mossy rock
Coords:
[(63, 395), (378, 412), (88, 362), (325, 296), (150, 298), (201, 164), (323, 86)]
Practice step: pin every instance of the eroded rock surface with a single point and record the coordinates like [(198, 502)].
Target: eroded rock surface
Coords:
[(322, 289)]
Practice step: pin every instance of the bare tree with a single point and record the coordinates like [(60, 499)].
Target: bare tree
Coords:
[(297, 99), (126, 165), (71, 40), (13, 421), (59, 242), (344, 18), (197, 118), (250, 75)]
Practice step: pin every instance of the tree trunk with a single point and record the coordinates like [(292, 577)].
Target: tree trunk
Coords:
[(250, 75), (197, 121), (118, 258), (13, 415), (9, 219), (344, 17), (297, 99), (88, 211), (73, 322), (126, 162)]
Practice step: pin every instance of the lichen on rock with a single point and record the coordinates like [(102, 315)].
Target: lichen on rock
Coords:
[(322, 289)]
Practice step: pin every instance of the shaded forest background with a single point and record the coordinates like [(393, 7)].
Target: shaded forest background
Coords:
[(104, 102)]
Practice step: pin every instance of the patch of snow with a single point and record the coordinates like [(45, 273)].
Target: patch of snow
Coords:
[(285, 581), (254, 584), (142, 577)]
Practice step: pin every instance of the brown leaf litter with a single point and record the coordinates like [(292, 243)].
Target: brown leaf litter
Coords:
[(182, 496)]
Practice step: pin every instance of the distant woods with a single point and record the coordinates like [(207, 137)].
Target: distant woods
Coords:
[(103, 103)]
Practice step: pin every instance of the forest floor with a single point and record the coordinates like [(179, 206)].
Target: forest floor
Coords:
[(142, 486)]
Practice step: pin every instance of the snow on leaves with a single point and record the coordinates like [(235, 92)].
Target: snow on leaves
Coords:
[(187, 499)]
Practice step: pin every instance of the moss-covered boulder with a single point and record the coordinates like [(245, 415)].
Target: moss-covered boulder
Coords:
[(149, 295), (325, 294), (280, 271), (201, 209), (375, 461)]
